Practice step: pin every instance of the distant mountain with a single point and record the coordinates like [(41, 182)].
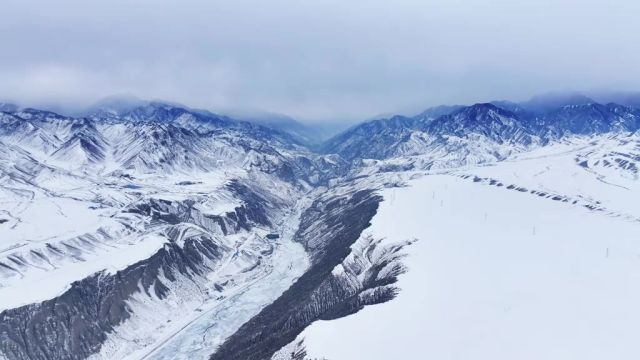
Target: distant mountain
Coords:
[(514, 107), (589, 119), (399, 135), (493, 124), (303, 133), (8, 107), (85, 145), (435, 112), (266, 124), (146, 228), (552, 101), (311, 134), (630, 99), (382, 137), (201, 121), (486, 120), (155, 137), (134, 109)]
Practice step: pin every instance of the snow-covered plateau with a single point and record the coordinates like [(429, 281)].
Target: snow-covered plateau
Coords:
[(489, 231), (501, 271)]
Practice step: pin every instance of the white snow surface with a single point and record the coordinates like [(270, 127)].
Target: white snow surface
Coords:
[(499, 273), (536, 256), (192, 322), (74, 197), (67, 228)]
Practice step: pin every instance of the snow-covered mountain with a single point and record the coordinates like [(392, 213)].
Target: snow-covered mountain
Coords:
[(492, 124), (309, 134), (152, 205), (149, 230), (544, 103), (534, 257), (590, 119)]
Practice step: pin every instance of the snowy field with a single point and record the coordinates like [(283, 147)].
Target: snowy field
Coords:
[(499, 273), (83, 221)]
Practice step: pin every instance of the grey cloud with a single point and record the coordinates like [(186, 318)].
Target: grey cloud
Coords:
[(315, 60)]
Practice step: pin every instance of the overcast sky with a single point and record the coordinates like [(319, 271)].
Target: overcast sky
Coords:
[(315, 60)]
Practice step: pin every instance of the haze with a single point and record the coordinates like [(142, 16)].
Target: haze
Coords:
[(315, 60)]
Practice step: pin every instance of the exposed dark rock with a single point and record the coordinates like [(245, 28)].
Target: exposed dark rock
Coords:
[(328, 229)]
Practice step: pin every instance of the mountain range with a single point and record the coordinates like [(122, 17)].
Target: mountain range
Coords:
[(150, 230)]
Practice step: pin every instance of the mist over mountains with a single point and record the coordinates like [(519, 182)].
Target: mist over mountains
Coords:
[(305, 180), (316, 132), (150, 230)]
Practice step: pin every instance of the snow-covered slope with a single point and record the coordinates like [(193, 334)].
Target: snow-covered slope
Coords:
[(154, 231), (532, 258), (140, 219), (490, 125)]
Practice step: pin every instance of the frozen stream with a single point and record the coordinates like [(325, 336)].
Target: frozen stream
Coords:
[(199, 338)]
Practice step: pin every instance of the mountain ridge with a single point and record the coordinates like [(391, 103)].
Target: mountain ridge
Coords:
[(499, 122)]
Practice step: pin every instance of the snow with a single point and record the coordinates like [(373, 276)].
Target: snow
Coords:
[(61, 209), (38, 285), (200, 338), (555, 169), (46, 218), (548, 272), (198, 323), (501, 274)]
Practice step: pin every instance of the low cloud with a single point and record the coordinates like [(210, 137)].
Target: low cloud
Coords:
[(315, 60)]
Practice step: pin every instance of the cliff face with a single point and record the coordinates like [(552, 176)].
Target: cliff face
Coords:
[(345, 275)]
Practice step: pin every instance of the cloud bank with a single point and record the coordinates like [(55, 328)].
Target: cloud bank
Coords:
[(315, 60)]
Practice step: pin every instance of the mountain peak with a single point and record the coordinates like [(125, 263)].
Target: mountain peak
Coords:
[(480, 109), (484, 119), (8, 107), (550, 101)]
